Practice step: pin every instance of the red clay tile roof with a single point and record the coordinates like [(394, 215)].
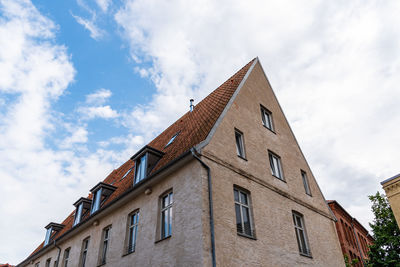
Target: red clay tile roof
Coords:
[(193, 128)]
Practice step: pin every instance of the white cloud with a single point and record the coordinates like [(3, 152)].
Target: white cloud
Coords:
[(90, 25), (104, 4), (333, 66), (105, 112), (34, 73), (99, 97), (94, 107)]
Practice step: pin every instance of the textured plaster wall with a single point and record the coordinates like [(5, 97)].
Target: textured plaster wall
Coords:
[(392, 189), (276, 241), (183, 248)]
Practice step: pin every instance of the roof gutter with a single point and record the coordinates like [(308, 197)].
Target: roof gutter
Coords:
[(210, 206)]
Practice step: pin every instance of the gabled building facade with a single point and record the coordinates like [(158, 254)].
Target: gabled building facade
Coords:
[(225, 185), (353, 237)]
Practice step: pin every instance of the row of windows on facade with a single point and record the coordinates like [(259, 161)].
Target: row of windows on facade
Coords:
[(245, 225), (274, 159), (166, 201), (351, 239)]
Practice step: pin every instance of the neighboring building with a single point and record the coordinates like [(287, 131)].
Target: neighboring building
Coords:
[(6, 265), (392, 189), (225, 185), (354, 238)]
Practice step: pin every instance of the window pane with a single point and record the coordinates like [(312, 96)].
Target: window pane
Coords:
[(239, 144), (236, 195), (170, 198), (246, 220), (169, 221), (238, 218), (243, 198), (303, 241)]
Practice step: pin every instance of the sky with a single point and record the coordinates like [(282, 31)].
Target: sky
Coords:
[(84, 84)]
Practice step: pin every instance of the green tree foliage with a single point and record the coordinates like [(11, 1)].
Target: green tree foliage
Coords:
[(385, 252), (348, 263)]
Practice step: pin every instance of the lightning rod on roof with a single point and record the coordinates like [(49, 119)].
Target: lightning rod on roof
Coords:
[(191, 104)]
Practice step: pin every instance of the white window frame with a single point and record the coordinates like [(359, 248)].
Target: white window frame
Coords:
[(306, 184), (105, 243), (96, 201), (133, 224), (84, 253), (243, 206), (66, 257), (141, 168), (301, 234), (239, 140), (166, 212), (48, 262), (275, 165), (266, 117)]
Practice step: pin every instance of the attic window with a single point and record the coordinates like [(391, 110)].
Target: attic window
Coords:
[(126, 174), (172, 139), (51, 229), (145, 160), (100, 194), (82, 206)]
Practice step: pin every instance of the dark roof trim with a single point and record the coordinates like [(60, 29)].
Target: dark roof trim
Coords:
[(145, 149), (111, 203), (103, 185), (55, 226), (390, 179), (82, 199)]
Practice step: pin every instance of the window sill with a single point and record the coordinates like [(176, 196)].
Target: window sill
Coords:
[(281, 179), (162, 239), (243, 158), (101, 264), (306, 255), (128, 253), (270, 129), (247, 236)]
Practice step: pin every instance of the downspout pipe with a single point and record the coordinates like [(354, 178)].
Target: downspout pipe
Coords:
[(59, 252), (358, 242), (210, 205)]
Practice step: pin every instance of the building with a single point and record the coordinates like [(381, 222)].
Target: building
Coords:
[(353, 237), (225, 185), (6, 265), (392, 189)]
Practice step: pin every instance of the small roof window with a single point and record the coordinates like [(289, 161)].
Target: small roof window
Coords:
[(82, 206), (100, 193), (51, 229), (172, 139), (126, 174), (145, 160)]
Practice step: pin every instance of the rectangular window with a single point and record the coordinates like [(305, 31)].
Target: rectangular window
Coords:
[(305, 182), (243, 212), (37, 264), (140, 170), (48, 235), (66, 257), (48, 261), (85, 246), (266, 117), (166, 215), (133, 222), (302, 240), (276, 166), (239, 144), (96, 201), (78, 214), (104, 245)]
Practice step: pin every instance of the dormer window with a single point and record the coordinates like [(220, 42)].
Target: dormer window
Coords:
[(100, 193), (51, 229), (145, 160), (82, 206), (172, 139)]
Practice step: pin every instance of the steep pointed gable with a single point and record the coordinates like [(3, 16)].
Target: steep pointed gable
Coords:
[(192, 128)]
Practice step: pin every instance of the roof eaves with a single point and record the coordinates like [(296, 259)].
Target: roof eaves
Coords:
[(390, 179), (220, 118)]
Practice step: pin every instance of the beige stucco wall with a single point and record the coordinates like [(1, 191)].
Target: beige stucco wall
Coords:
[(392, 189), (276, 241), (184, 248)]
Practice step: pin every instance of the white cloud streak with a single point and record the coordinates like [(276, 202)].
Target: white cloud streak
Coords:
[(90, 25), (333, 66), (94, 106), (104, 4)]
